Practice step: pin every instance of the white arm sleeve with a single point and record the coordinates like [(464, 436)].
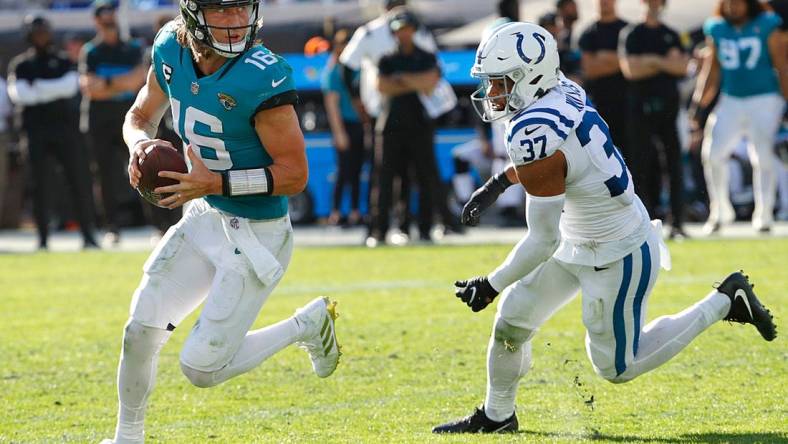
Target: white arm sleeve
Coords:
[(60, 88), (543, 215), (21, 92), (356, 50)]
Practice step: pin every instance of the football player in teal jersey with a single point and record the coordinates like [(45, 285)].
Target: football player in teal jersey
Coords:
[(232, 104), (747, 61)]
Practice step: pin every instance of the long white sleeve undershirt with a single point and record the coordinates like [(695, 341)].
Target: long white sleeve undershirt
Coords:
[(543, 215)]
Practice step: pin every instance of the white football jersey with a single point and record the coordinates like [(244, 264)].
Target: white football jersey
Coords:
[(603, 219)]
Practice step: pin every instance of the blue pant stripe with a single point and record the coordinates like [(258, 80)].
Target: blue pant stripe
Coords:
[(619, 329), (645, 277)]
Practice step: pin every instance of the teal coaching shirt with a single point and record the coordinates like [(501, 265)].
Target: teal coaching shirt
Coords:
[(216, 112), (743, 53)]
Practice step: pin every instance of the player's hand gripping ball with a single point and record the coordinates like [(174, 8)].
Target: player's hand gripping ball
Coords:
[(158, 158)]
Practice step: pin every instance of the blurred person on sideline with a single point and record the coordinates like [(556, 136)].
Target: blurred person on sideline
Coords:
[(567, 13), (347, 133), (42, 83), (6, 111), (569, 59), (653, 60), (368, 44), (111, 72), (605, 84), (405, 132), (747, 64)]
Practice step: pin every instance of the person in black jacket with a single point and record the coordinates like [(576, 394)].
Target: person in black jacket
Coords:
[(405, 130), (111, 72), (653, 60), (41, 82)]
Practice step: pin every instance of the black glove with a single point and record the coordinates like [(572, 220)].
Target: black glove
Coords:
[(482, 198), (477, 293)]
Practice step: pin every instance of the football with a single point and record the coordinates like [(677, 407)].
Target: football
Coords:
[(158, 158)]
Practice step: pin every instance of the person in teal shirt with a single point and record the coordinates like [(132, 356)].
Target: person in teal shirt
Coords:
[(747, 64), (231, 101), (347, 131)]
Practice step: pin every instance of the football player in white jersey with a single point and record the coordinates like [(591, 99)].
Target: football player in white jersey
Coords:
[(587, 231)]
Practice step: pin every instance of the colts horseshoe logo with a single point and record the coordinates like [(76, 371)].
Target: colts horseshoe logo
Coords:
[(539, 38)]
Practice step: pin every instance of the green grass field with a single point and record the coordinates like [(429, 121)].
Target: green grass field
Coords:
[(414, 356)]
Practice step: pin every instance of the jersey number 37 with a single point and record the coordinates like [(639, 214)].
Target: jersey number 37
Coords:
[(594, 133)]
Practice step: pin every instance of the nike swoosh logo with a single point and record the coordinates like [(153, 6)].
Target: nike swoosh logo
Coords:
[(473, 295), (275, 83), (503, 58), (741, 294), (600, 268), (528, 133), (501, 428)]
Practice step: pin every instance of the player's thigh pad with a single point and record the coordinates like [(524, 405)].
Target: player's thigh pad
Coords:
[(531, 301), (233, 303), (175, 281), (614, 307)]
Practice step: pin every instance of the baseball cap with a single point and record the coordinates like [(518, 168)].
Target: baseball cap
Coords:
[(102, 6), (394, 3), (402, 19)]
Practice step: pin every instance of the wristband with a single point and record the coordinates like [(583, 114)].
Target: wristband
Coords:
[(247, 182)]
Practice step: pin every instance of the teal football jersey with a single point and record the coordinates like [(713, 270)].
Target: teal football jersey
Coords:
[(216, 112), (743, 53)]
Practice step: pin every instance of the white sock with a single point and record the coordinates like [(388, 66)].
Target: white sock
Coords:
[(664, 337), (259, 345), (136, 378), (504, 370)]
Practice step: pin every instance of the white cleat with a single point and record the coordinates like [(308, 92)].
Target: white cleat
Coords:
[(321, 340)]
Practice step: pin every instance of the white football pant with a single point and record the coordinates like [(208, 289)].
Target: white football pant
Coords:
[(615, 299), (757, 118), (230, 263)]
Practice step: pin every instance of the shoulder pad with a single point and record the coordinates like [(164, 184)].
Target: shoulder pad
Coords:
[(711, 25), (539, 130), (770, 21), (260, 75)]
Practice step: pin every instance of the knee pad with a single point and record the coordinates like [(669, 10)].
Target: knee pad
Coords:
[(198, 378), (206, 349), (510, 336), (143, 341)]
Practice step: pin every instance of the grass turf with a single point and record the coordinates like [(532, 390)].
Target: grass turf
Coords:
[(413, 356)]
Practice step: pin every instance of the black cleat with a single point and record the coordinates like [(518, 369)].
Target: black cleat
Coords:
[(745, 306), (478, 422)]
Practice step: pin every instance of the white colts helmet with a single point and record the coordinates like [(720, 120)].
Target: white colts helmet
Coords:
[(523, 54)]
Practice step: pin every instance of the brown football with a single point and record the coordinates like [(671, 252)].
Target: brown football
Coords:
[(159, 158)]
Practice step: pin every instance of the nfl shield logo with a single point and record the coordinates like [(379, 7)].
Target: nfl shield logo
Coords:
[(195, 88), (234, 223)]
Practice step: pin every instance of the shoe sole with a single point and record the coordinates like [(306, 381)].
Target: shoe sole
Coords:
[(762, 318)]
